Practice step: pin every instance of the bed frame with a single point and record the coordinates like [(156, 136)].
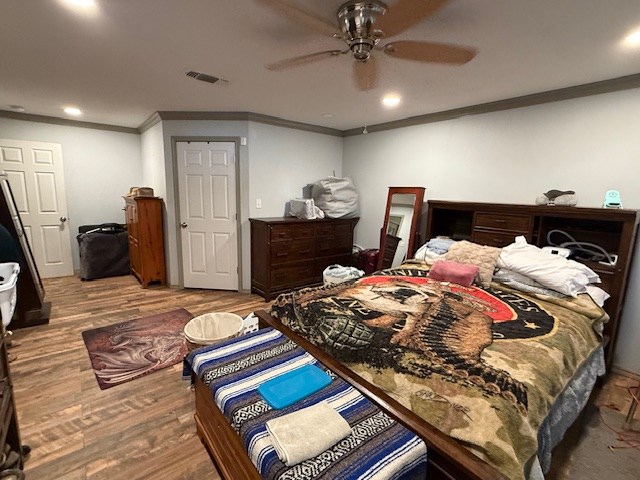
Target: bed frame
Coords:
[(447, 459)]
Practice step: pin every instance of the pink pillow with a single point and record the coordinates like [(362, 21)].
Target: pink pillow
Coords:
[(449, 271)]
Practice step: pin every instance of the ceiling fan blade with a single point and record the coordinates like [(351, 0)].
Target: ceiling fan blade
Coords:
[(430, 52), (302, 60), (365, 74), (405, 14), (302, 17)]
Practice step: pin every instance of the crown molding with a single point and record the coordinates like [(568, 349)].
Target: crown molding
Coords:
[(154, 119), (585, 90), (247, 117), (29, 117)]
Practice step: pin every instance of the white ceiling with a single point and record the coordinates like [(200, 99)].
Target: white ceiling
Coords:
[(128, 58)]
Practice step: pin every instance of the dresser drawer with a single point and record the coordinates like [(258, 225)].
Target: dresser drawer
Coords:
[(502, 221), (333, 229), (292, 251), (494, 239), (333, 245), (290, 232), (301, 273)]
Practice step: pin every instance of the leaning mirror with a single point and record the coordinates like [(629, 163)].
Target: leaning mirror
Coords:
[(400, 227)]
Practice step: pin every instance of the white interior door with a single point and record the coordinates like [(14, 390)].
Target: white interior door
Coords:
[(35, 173), (207, 189)]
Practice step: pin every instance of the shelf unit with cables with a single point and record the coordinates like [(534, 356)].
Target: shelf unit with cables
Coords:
[(497, 224)]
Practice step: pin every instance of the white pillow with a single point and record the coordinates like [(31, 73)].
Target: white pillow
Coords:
[(597, 294), (523, 283), (552, 271)]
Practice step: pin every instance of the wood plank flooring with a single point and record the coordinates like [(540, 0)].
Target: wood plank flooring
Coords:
[(143, 429)]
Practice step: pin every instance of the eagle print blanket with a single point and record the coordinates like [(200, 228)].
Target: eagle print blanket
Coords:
[(482, 365)]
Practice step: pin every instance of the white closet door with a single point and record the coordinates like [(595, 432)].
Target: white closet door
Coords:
[(207, 189), (35, 173)]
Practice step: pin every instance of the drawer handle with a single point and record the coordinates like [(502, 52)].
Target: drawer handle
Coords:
[(283, 254), (304, 252), (500, 221), (497, 240), (280, 275)]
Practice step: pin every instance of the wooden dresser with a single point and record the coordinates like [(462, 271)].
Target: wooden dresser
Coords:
[(146, 242), (498, 224), (289, 253)]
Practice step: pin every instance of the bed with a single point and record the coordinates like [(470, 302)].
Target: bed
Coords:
[(489, 378)]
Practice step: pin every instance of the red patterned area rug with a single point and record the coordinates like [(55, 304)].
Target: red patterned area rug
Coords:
[(125, 351)]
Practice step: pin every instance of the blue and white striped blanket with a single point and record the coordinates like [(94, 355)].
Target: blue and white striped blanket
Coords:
[(378, 447)]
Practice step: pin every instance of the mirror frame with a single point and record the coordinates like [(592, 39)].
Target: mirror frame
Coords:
[(413, 232)]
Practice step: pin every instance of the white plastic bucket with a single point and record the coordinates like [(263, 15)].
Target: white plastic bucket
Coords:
[(8, 292), (212, 328)]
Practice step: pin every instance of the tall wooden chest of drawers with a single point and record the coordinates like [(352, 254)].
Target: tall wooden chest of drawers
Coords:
[(289, 253), (146, 240)]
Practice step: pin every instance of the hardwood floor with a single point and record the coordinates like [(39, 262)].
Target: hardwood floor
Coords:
[(142, 429)]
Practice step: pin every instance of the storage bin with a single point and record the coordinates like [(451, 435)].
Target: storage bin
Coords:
[(212, 328), (8, 292)]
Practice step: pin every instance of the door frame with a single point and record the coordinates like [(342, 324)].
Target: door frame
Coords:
[(176, 189)]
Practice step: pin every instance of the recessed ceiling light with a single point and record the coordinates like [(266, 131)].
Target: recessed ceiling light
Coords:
[(81, 3), (83, 7), (632, 39), (327, 115), (17, 108), (391, 100), (73, 111)]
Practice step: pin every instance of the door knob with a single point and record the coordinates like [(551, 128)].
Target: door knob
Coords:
[(63, 219), (184, 225)]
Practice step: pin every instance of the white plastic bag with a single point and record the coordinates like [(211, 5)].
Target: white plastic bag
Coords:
[(336, 197), (304, 208), (334, 274)]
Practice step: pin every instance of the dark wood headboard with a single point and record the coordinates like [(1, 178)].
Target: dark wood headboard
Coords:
[(497, 224)]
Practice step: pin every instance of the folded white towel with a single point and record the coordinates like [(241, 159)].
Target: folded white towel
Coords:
[(307, 433)]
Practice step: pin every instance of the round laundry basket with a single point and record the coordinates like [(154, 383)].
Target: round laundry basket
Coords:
[(212, 328)]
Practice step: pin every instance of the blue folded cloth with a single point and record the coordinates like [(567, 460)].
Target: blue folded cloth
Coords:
[(288, 388), (440, 245)]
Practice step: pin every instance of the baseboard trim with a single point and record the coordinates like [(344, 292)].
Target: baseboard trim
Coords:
[(626, 373)]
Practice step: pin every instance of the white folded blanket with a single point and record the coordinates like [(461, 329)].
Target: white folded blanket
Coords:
[(307, 433)]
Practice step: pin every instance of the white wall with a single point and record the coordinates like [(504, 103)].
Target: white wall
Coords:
[(283, 161), (588, 145), (152, 153), (99, 167)]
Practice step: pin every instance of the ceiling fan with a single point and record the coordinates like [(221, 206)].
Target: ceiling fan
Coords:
[(362, 25)]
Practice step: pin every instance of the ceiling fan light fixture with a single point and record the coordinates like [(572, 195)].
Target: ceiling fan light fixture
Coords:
[(361, 50), (357, 20)]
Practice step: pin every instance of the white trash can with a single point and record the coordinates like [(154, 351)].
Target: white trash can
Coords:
[(8, 292)]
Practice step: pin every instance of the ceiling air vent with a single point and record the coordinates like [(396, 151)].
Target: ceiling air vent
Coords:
[(203, 77)]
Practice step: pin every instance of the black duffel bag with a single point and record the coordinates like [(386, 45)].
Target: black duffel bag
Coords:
[(104, 251)]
